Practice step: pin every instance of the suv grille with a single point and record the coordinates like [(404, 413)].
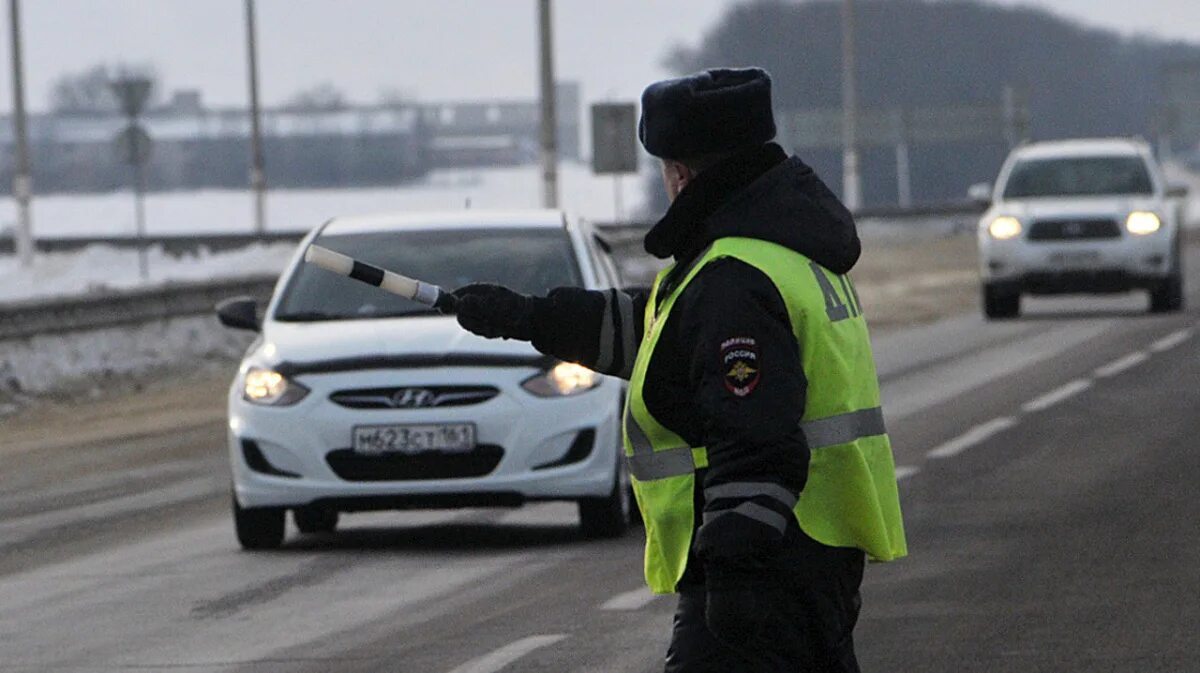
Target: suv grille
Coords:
[(413, 397), (353, 466), (1068, 230)]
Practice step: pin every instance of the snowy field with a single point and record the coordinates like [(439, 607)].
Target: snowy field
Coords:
[(100, 268), (230, 211)]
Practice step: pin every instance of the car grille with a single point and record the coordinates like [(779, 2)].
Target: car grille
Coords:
[(1070, 230), (352, 466), (413, 397)]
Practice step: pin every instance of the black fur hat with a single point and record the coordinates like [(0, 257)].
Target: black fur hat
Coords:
[(710, 112)]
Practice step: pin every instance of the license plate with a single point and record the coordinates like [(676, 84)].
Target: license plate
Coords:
[(1081, 259), (445, 437)]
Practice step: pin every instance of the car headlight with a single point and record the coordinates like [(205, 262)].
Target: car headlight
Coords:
[(566, 378), (270, 388), (1005, 227), (1142, 222)]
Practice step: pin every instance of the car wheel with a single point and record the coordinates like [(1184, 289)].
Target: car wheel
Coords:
[(258, 527), (1167, 297), (315, 519), (999, 304), (608, 516)]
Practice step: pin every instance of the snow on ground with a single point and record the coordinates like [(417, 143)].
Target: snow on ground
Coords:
[(101, 268), (208, 211), (224, 211)]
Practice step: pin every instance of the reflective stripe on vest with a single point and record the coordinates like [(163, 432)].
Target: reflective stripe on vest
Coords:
[(646, 464)]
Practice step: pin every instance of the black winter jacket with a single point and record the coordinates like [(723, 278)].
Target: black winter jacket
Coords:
[(730, 313)]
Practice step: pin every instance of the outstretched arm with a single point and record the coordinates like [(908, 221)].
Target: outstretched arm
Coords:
[(600, 329)]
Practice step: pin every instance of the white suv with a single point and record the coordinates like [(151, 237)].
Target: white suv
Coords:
[(1080, 216), (354, 399)]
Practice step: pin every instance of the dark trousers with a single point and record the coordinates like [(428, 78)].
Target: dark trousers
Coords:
[(813, 605)]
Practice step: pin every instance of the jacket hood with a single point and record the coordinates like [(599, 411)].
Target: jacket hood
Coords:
[(761, 194)]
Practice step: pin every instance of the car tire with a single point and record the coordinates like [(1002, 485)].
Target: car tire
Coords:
[(258, 528), (607, 516), (315, 519), (999, 304), (1167, 297)]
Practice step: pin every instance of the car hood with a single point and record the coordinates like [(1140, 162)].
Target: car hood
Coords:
[(388, 337), (1046, 209)]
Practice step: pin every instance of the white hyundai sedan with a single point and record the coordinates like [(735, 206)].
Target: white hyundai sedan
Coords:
[(353, 399), (1080, 216)]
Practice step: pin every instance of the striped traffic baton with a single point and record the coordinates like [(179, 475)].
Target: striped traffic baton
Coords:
[(425, 293)]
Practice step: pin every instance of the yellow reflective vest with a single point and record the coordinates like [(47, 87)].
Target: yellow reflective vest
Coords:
[(850, 498)]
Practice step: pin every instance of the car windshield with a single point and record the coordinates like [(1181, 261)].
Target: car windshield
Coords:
[(527, 260), (1082, 176)]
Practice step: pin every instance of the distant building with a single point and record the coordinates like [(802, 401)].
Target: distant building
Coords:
[(197, 147)]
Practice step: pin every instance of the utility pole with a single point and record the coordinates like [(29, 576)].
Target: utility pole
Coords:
[(22, 180), (258, 176), (851, 181), (549, 128)]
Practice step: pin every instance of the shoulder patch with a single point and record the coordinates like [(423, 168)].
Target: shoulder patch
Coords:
[(740, 365)]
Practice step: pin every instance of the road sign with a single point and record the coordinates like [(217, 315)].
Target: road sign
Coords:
[(614, 138), (133, 144)]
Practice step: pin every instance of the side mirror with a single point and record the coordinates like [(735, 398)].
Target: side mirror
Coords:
[(1177, 190), (239, 313), (980, 193)]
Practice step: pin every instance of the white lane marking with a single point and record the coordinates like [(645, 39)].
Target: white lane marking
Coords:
[(630, 600), (494, 661), (906, 471), (972, 437), (1171, 340), (1121, 364), (1057, 395)]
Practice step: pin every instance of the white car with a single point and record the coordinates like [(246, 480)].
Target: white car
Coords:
[(354, 399), (1080, 216)]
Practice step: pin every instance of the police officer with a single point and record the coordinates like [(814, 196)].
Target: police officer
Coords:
[(753, 432)]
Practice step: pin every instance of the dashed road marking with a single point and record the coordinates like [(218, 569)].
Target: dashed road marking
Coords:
[(906, 471), (630, 600), (972, 437), (1171, 340), (1121, 364), (498, 659), (1057, 395)]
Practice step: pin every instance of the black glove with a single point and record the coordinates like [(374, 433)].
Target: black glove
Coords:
[(739, 595), (494, 311)]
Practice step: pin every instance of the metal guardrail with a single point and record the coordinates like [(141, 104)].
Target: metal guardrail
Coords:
[(56, 316)]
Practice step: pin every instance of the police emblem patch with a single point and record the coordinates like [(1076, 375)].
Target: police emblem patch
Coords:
[(740, 365)]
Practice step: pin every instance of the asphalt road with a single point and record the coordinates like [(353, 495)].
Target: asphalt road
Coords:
[(1049, 469)]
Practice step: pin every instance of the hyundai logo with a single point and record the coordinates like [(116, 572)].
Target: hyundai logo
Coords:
[(412, 398)]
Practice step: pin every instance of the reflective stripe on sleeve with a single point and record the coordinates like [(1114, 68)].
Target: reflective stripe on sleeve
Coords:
[(604, 357), (844, 428), (628, 335), (751, 489), (752, 510), (661, 464)]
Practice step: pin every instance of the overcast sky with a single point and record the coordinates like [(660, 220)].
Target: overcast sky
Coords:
[(433, 49)]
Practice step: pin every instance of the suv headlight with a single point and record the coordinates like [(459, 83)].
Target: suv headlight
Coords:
[(270, 388), (566, 378), (1142, 222), (1004, 227)]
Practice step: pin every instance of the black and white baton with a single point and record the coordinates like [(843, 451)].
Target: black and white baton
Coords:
[(425, 293)]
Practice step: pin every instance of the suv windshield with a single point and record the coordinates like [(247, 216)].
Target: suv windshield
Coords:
[(1082, 176), (531, 261)]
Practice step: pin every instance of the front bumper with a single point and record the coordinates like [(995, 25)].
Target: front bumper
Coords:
[(1058, 267), (529, 448)]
